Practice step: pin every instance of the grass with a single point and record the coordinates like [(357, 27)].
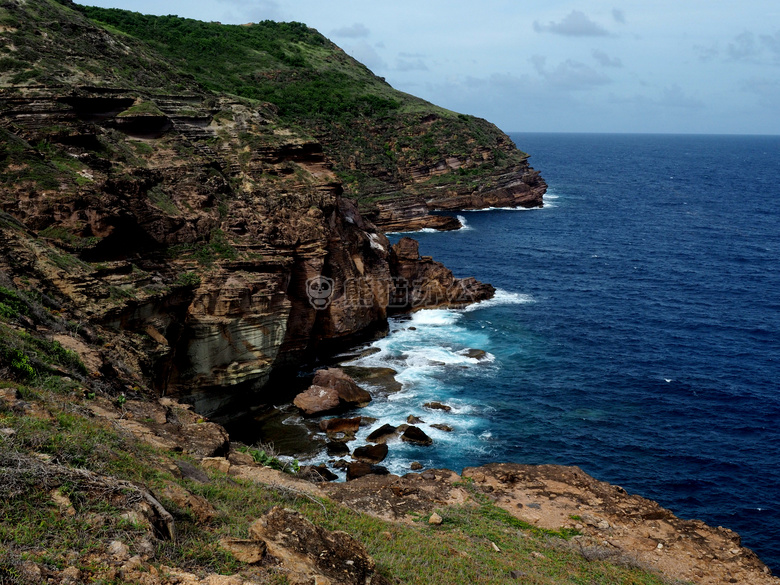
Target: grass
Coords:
[(461, 550), (56, 437), (317, 88), (32, 528)]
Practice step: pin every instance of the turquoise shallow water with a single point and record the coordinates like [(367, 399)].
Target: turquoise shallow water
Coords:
[(636, 332)]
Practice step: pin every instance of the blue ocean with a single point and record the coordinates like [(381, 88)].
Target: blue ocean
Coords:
[(635, 333)]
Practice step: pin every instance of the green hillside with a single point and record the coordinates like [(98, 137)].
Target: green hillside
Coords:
[(375, 134)]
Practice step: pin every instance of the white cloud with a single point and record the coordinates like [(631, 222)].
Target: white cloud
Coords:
[(257, 11), (772, 42), (605, 60), (367, 55), (569, 75), (744, 46), (674, 97), (406, 62), (354, 31), (767, 91), (575, 24)]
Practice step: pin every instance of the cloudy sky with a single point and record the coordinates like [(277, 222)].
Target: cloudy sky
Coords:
[(681, 66)]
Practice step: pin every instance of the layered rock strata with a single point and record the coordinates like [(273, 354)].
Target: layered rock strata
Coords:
[(205, 237)]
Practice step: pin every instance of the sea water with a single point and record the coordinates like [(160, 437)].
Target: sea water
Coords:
[(635, 332)]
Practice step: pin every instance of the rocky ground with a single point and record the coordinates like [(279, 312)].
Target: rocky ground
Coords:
[(601, 522)]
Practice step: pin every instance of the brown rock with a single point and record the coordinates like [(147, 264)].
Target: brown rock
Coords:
[(478, 354), (219, 464), (422, 283), (308, 550), (382, 377), (206, 439), (382, 434), (316, 400), (189, 471), (245, 551), (337, 449), (239, 458), (197, 505), (348, 391), (417, 436), (348, 426), (435, 519), (119, 550), (442, 427), (371, 453), (9, 394), (317, 474), (437, 406), (407, 249), (416, 466), (70, 576), (360, 469), (413, 420)]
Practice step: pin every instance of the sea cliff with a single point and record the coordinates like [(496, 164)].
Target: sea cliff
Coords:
[(172, 239)]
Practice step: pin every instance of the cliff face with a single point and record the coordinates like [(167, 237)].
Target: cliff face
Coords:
[(397, 155), (201, 226)]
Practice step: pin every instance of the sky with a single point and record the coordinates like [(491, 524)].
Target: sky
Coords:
[(667, 66)]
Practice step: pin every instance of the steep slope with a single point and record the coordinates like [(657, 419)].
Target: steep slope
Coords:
[(398, 155), (190, 220)]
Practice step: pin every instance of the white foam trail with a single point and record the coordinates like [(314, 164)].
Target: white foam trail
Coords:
[(504, 209), (435, 317), (466, 227), (501, 297), (423, 230)]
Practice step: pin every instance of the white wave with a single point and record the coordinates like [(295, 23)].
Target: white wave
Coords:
[(423, 230), (465, 225), (501, 297), (503, 209), (436, 317)]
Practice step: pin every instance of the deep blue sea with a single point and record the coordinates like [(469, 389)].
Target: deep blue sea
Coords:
[(636, 332)]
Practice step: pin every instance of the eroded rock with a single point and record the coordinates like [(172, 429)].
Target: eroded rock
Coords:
[(383, 434), (371, 453), (308, 550), (417, 436)]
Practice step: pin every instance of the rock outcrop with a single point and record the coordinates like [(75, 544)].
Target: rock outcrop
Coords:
[(307, 550), (611, 524), (423, 283), (207, 258)]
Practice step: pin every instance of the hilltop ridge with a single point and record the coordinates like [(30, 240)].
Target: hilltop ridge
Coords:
[(170, 190)]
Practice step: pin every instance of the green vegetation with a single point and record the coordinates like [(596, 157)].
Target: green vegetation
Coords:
[(142, 108), (27, 357), (206, 253), (265, 456), (319, 89), (287, 64), (32, 528), (70, 240)]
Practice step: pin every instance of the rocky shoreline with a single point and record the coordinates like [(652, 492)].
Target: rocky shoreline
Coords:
[(606, 521), (167, 251)]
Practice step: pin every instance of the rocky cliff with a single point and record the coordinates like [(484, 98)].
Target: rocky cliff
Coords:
[(397, 155), (194, 223), (170, 231)]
